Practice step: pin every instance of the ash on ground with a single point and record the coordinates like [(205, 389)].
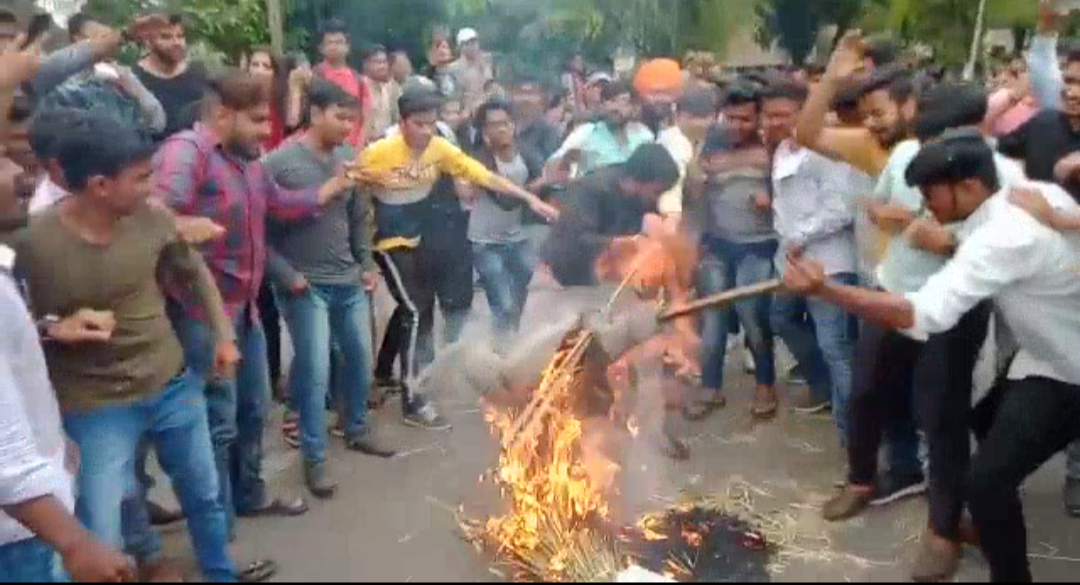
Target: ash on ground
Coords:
[(699, 546)]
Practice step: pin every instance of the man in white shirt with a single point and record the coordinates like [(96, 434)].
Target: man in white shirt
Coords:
[(1030, 272), (812, 215), (37, 523), (695, 112)]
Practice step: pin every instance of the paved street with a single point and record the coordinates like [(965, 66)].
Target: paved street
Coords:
[(391, 519)]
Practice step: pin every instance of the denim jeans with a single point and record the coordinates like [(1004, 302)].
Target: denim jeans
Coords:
[(325, 314), (30, 561), (821, 336), (237, 409), (176, 422), (505, 273), (725, 265)]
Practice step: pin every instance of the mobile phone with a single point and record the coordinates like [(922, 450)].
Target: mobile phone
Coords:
[(39, 25)]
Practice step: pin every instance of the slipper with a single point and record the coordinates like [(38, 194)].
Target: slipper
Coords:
[(290, 430), (700, 410), (258, 571), (764, 410), (278, 508)]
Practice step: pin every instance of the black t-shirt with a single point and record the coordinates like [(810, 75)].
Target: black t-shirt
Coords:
[(595, 211), (179, 96), (1041, 143)]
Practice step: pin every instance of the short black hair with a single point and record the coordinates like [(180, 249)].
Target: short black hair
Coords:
[(334, 26), (492, 105), (372, 50), (717, 140), (652, 163), (100, 147), (950, 105), (954, 157), (419, 101), (883, 52), (785, 89), (8, 17), (742, 93), (616, 89), (896, 81), (49, 127), (1073, 54), (77, 23), (698, 103), (324, 94)]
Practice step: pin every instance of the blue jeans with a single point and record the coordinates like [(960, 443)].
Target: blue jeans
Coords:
[(821, 336), (176, 422), (237, 409), (505, 273), (725, 265), (30, 561), (338, 313)]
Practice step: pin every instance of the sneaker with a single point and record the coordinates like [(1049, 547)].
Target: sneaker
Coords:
[(848, 504), (318, 480), (893, 488), (795, 376), (424, 416), (1071, 497), (368, 443), (809, 404)]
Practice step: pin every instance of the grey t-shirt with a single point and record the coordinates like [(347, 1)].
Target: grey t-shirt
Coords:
[(496, 219), (330, 248), (729, 202)]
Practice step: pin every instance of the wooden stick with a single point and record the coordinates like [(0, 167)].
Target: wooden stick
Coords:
[(725, 298)]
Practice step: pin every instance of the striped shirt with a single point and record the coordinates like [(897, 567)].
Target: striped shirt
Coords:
[(198, 177)]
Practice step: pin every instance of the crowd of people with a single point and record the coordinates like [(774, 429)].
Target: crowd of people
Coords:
[(163, 223)]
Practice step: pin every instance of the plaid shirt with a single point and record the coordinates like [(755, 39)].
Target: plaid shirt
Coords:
[(197, 177)]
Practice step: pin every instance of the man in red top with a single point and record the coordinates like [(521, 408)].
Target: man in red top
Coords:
[(335, 67)]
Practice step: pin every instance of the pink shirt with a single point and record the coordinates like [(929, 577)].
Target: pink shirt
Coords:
[(1015, 116)]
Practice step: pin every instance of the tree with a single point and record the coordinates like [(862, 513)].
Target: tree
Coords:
[(795, 24), (949, 25)]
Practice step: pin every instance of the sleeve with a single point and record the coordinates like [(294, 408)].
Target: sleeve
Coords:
[(60, 65), (151, 112), (576, 139), (187, 268), (24, 473), (997, 255), (287, 204), (176, 174), (1046, 81), (361, 232), (835, 210), (452, 161)]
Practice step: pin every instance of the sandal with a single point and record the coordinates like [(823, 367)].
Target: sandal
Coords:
[(290, 430), (765, 407), (258, 571), (279, 508), (699, 409)]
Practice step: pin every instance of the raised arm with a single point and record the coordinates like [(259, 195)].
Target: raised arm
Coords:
[(1043, 68)]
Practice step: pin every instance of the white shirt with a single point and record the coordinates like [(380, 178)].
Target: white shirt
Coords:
[(32, 445), (1031, 272), (682, 150), (811, 208), (45, 196)]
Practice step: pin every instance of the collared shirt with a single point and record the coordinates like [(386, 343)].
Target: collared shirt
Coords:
[(198, 177), (32, 446), (1030, 271), (811, 208), (903, 267), (600, 147), (682, 150)]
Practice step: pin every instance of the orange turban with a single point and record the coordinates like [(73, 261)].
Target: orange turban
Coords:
[(658, 76)]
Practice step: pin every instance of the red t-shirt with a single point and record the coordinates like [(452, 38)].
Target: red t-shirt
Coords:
[(348, 79), (277, 131)]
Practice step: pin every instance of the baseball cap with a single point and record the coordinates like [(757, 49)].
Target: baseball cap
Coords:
[(467, 34), (599, 77)]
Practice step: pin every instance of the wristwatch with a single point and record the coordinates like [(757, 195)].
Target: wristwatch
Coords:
[(46, 323)]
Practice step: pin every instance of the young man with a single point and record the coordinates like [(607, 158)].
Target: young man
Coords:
[(738, 247), (534, 133), (101, 252), (212, 171), (316, 267), (1006, 256), (166, 71), (609, 141), (812, 214), (472, 71), (334, 48), (384, 90), (695, 113), (499, 246), (402, 170), (108, 88)]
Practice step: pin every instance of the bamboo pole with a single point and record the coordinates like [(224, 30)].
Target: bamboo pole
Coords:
[(725, 298)]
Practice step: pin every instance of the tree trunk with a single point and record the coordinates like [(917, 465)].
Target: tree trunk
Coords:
[(976, 43), (276, 22)]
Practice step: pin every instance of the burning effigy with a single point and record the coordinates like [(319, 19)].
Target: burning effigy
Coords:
[(563, 435)]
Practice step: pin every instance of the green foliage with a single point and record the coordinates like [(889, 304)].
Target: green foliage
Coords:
[(795, 23)]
